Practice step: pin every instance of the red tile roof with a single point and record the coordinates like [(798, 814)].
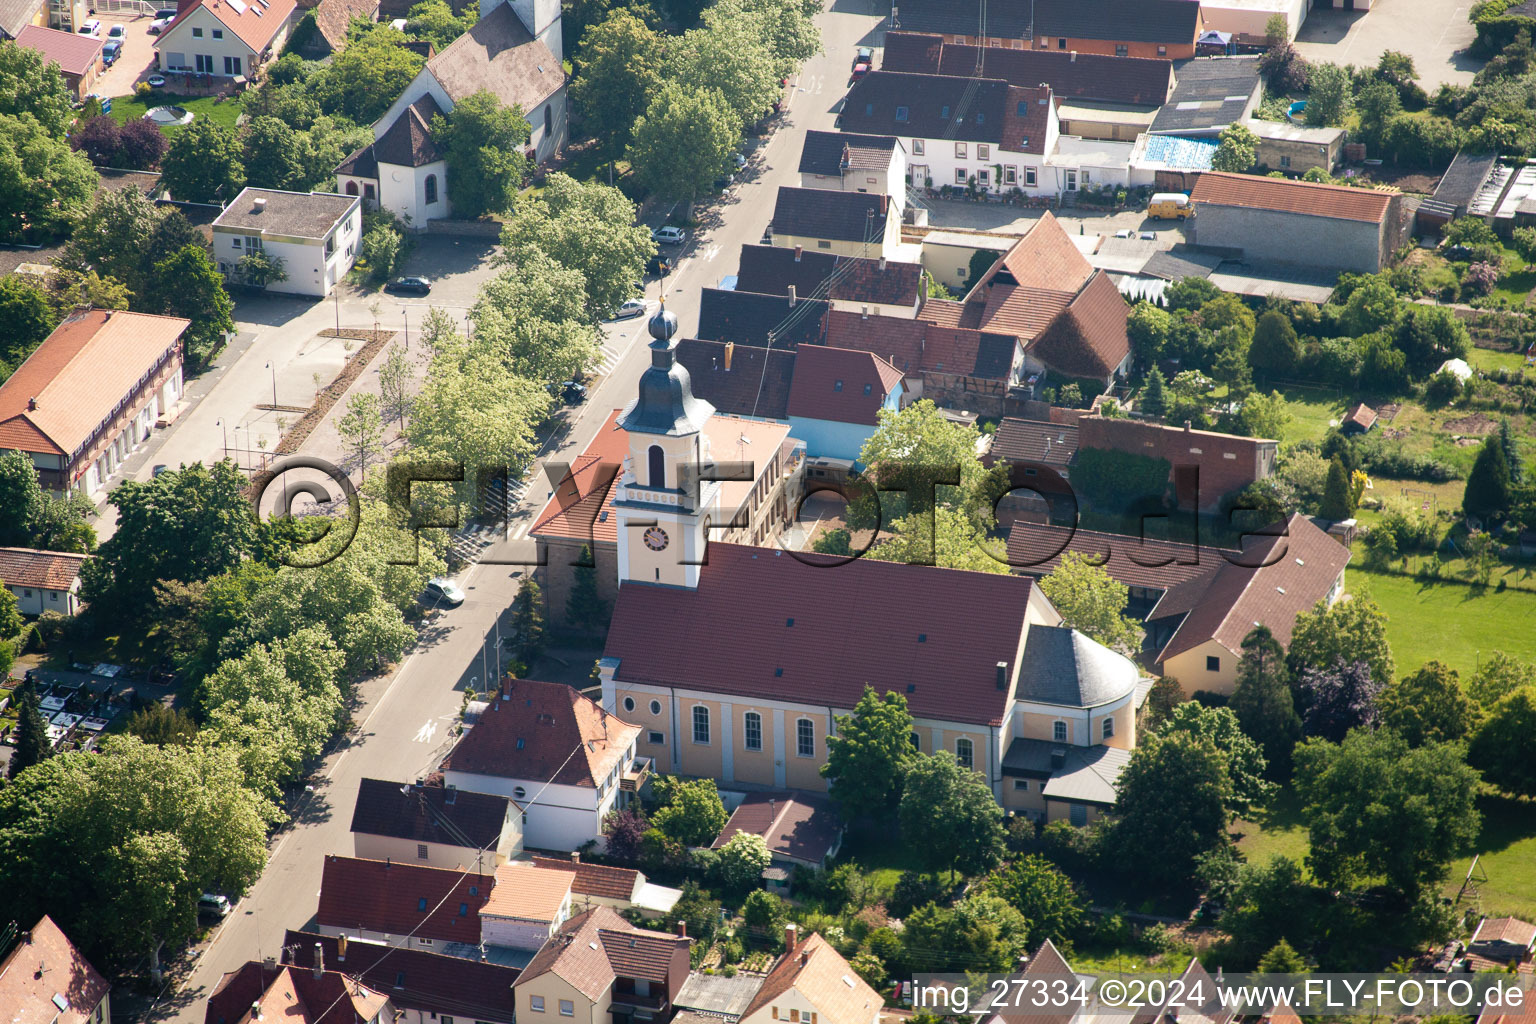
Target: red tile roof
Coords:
[(603, 881), (892, 338), (1026, 119), (74, 53), (291, 996), (585, 491), (1157, 564), (1510, 930), (1047, 964), (45, 570), (414, 978), (254, 22), (1047, 259), (594, 948), (1038, 441), (528, 892), (45, 965), (935, 635), (820, 975), (841, 384), (382, 896), (543, 731), (800, 826), (1089, 338), (1287, 195)]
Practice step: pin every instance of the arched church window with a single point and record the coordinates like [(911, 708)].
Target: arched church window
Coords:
[(657, 464), (430, 188)]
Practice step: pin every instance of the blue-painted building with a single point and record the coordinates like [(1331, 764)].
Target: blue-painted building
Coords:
[(836, 396)]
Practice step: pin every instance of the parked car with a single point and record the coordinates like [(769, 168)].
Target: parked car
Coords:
[(739, 160), (213, 905), (168, 13), (159, 25), (91, 28), (630, 310), (863, 55), (658, 265), (1170, 206), (409, 286), (669, 236), (156, 81), (110, 52), (573, 392), (118, 32), (443, 591), (724, 182), (860, 70)]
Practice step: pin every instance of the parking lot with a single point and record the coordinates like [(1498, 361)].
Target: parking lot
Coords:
[(1434, 33), (137, 57)]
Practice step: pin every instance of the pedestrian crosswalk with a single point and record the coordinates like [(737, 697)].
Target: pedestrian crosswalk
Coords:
[(470, 542)]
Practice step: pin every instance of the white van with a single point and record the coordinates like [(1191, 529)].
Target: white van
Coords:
[(91, 28)]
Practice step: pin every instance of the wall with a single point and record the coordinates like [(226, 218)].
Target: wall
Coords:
[(179, 47), (404, 191), (546, 144), (1249, 19), (947, 263), (941, 161), (310, 271), (792, 999), (1314, 242), (1189, 669), (439, 855), (519, 932), (35, 601), (553, 989), (1106, 47), (561, 818), (117, 439), (1061, 810), (1303, 156), (831, 439)]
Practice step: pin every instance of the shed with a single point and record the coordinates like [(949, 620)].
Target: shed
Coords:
[(1503, 939)]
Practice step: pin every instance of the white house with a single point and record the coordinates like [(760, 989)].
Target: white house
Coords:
[(855, 163), (43, 581), (434, 825), (521, 749), (314, 234), (513, 53), (526, 907), (225, 38)]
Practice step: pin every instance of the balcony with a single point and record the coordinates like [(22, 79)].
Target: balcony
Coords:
[(654, 1003), (634, 778)]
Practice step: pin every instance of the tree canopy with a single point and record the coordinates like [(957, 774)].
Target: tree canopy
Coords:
[(44, 185), (618, 74), (1172, 805), (691, 811), (1262, 698), (1428, 706), (1244, 758), (205, 163), (948, 816), (1504, 747), (1092, 602), (1345, 631), (483, 142), (868, 756), (683, 141)]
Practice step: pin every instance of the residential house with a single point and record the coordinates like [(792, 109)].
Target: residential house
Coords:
[(851, 283), (947, 254), (1278, 220), (328, 29), (959, 129), (847, 223), (739, 380), (527, 905), (1247, 21), (1118, 28), (16, 15), (314, 236), (598, 967), (423, 987), (1503, 939), (1007, 22), (434, 825), (836, 399), (45, 980), (812, 982), (772, 321), (1048, 968), (512, 52), (855, 163), (401, 904), (78, 56), (1199, 624), (1198, 983), (225, 38), (522, 749), (43, 581), (257, 992), (1032, 442), (800, 829), (1205, 466), (91, 393), (1210, 93), (610, 886), (1296, 149), (580, 512)]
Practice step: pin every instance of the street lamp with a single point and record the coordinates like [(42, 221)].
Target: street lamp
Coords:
[(274, 386), (406, 315), (224, 431)]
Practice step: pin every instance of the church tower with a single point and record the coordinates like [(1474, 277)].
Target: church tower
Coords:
[(662, 506)]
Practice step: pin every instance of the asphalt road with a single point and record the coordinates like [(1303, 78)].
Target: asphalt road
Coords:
[(405, 720)]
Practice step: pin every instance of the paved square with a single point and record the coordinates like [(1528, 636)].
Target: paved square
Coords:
[(1435, 33)]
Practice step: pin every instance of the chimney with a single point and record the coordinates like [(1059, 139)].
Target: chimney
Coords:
[(341, 947), (798, 250), (791, 296), (31, 403), (1186, 426), (1074, 58), (319, 960), (882, 264), (575, 856), (682, 929), (884, 200), (259, 204), (789, 937), (1002, 675), (386, 863), (1058, 758), (730, 350)]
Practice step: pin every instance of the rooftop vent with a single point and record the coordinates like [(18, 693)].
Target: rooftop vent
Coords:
[(1002, 675), (259, 204)]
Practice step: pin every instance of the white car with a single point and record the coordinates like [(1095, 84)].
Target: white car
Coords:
[(91, 28), (118, 32), (630, 310), (159, 25), (669, 236), (443, 591), (213, 905)]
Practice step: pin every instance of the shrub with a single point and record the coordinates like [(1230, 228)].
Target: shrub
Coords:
[(912, 890), (142, 90), (1480, 278), (1442, 389)]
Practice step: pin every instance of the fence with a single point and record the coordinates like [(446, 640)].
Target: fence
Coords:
[(135, 8)]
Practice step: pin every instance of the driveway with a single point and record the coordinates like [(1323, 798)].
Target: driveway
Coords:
[(136, 60), (1434, 33)]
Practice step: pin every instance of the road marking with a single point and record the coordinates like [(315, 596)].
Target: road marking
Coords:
[(426, 732)]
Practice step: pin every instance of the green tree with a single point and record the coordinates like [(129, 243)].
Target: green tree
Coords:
[(869, 755), (1377, 808), (1428, 706), (1245, 759), (982, 933), (161, 725), (30, 745), (1238, 149), (1092, 602), (365, 78), (1487, 493), (31, 518), (1282, 958), (1373, 305), (1504, 747), (948, 816), (1154, 397), (1328, 95), (784, 26), (1265, 415), (395, 375), (483, 142), (743, 859), (327, 142), (273, 154), (1498, 675), (25, 312), (1342, 633), (1275, 350), (944, 536), (1511, 449), (585, 609), (10, 618), (361, 428), (911, 451), (1262, 698), (1277, 31), (204, 163), (117, 239), (762, 909), (527, 640), (44, 185), (1338, 496), (731, 59), (1043, 894), (434, 21), (1377, 103), (1268, 901), (692, 813), (1397, 67), (684, 140), (32, 85), (1148, 328), (618, 71), (587, 227), (1172, 805), (536, 315), (189, 285)]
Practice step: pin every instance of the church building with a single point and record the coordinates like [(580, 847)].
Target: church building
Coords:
[(735, 659)]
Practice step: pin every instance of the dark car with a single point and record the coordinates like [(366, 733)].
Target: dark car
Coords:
[(573, 393), (111, 51), (658, 265), (864, 55), (409, 286)]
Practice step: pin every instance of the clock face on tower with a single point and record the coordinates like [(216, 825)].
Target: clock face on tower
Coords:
[(656, 538)]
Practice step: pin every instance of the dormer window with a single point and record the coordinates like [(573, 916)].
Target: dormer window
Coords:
[(837, 385), (944, 113), (901, 113)]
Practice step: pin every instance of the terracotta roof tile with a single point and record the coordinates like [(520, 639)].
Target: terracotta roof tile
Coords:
[(934, 634), (332, 17), (830, 153), (894, 339), (840, 384), (402, 899), (826, 213), (604, 881), (1083, 76), (592, 949), (424, 814), (528, 892), (45, 570), (90, 362), (1089, 338), (544, 731), (292, 996), (75, 54), (748, 388), (1362, 416), (1026, 119), (1285, 195), (255, 23), (800, 826), (642, 955), (820, 975), (1046, 259), (1158, 564), (1049, 964), (1505, 929), (44, 966), (414, 978), (1040, 441)]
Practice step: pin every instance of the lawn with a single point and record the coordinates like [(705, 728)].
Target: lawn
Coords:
[(1313, 412), (1487, 359), (1451, 621), (1273, 831), (127, 108), (1507, 848)]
